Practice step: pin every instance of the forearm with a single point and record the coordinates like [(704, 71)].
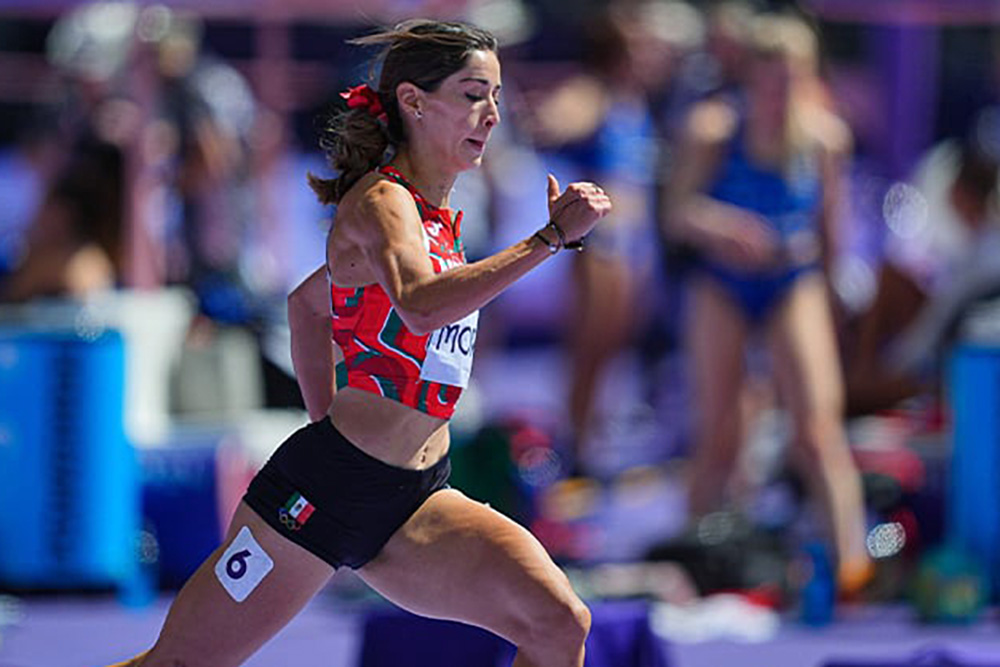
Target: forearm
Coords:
[(313, 360), (690, 220), (312, 343), (449, 296), (393, 243)]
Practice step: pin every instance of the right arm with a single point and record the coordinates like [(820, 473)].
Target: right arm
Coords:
[(313, 349), (390, 237)]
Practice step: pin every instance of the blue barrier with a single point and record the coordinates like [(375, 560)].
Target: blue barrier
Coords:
[(974, 497), (69, 499)]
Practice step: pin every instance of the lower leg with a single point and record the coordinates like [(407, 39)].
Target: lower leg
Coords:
[(706, 488), (583, 385), (712, 467), (806, 359), (836, 481)]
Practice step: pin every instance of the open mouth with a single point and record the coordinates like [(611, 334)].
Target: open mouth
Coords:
[(478, 145)]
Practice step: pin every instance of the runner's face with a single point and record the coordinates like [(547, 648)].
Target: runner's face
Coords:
[(459, 116)]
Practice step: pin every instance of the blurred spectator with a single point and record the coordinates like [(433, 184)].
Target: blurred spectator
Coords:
[(678, 68), (754, 193), (91, 47), (208, 110), (74, 242), (940, 255), (727, 44), (600, 123), (25, 170)]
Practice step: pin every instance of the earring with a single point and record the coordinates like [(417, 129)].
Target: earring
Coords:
[(418, 114)]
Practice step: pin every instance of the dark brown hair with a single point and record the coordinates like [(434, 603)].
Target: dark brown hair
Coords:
[(420, 52)]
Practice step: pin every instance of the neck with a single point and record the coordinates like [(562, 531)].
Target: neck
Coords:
[(767, 122), (767, 133), (434, 184)]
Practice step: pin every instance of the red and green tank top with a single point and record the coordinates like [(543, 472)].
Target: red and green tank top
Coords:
[(426, 372)]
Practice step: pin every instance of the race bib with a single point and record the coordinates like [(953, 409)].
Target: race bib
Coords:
[(449, 352), (243, 565)]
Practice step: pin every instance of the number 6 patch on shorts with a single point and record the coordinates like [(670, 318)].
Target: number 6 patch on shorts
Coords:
[(243, 565)]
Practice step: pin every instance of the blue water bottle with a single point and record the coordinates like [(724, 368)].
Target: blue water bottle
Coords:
[(818, 595)]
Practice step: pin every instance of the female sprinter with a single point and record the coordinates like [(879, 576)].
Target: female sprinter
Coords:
[(365, 485)]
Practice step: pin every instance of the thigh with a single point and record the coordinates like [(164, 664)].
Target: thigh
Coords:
[(460, 560), (715, 338), (207, 627), (804, 351), (603, 303)]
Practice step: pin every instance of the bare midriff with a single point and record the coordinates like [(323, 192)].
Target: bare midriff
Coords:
[(389, 430)]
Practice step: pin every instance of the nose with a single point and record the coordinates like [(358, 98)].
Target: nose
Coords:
[(493, 114)]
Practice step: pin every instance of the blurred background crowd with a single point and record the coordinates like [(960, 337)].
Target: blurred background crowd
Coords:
[(780, 350)]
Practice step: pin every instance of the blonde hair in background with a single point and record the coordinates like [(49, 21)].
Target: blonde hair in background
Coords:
[(786, 37)]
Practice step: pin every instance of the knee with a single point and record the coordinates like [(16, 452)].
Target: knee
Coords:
[(578, 620), (565, 622)]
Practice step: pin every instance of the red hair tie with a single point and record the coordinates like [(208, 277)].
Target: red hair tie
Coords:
[(363, 97)]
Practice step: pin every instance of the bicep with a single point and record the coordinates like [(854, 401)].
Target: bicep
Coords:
[(391, 238), (398, 263), (312, 295)]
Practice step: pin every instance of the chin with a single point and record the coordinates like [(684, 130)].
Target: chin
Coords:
[(469, 164)]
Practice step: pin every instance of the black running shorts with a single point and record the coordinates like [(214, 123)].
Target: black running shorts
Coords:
[(336, 501)]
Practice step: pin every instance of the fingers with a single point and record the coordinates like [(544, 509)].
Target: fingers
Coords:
[(603, 205), (553, 189), (592, 195), (597, 205), (580, 214), (574, 192)]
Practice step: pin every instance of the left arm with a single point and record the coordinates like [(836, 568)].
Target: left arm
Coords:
[(313, 349)]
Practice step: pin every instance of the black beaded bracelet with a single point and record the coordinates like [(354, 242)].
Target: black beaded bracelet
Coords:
[(569, 245), (553, 247)]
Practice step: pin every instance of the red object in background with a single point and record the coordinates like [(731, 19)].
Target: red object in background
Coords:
[(900, 463)]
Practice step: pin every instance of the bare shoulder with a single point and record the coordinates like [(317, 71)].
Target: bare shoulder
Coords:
[(370, 216), (373, 202), (711, 122)]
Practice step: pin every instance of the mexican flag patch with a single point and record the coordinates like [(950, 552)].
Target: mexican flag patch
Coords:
[(298, 510)]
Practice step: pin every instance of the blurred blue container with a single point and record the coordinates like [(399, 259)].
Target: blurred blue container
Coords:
[(180, 499), (68, 477), (974, 496)]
